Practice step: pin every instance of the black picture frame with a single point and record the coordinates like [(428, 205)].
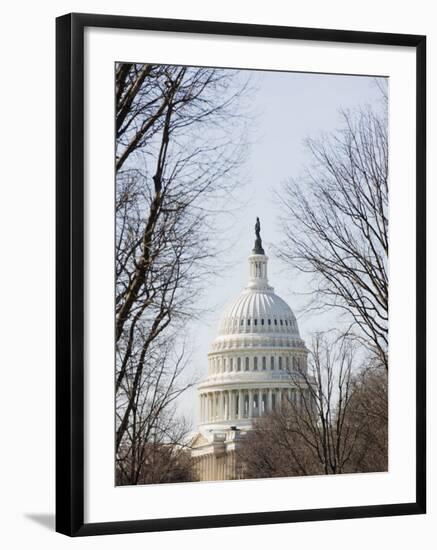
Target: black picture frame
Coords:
[(70, 272)]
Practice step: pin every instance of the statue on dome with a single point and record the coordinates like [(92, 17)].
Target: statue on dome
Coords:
[(258, 242), (257, 228)]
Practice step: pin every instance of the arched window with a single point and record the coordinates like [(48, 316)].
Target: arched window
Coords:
[(242, 322), (239, 363), (262, 321), (246, 367), (231, 364), (276, 321), (287, 362), (264, 363), (286, 323), (272, 362), (280, 363), (255, 321), (281, 322), (248, 322), (255, 363)]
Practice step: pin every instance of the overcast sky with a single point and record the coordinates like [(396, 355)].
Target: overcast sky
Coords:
[(289, 107)]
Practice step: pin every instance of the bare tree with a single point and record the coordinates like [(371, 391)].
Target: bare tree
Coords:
[(324, 431), (325, 400), (154, 450), (155, 461), (369, 412), (177, 147), (154, 421), (175, 125), (336, 225)]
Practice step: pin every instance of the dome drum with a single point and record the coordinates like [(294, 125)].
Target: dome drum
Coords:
[(220, 407)]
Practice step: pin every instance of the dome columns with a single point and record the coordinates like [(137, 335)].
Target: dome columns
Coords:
[(245, 404)]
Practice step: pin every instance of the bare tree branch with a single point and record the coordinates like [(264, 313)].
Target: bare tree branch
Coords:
[(177, 142), (336, 225)]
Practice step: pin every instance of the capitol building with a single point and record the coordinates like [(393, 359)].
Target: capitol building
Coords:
[(250, 371)]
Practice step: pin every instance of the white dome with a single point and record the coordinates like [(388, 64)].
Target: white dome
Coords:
[(251, 360), (258, 311)]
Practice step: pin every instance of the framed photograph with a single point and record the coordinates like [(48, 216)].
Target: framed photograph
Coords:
[(240, 274)]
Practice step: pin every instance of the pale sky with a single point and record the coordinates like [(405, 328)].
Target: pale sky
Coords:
[(289, 107)]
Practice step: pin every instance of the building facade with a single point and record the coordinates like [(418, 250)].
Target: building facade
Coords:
[(250, 367)]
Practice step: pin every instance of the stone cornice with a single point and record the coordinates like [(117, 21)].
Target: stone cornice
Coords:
[(220, 385), (250, 342)]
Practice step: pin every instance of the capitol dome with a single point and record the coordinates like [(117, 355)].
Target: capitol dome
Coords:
[(257, 348), (255, 366)]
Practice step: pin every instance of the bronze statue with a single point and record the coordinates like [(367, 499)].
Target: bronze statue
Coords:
[(258, 249), (257, 228)]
